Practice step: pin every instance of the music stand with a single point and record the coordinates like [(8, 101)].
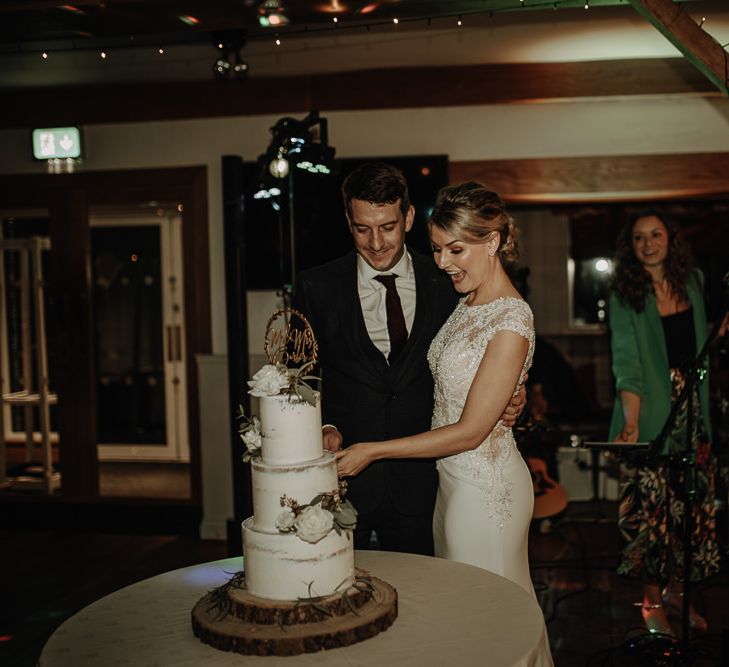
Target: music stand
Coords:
[(615, 447)]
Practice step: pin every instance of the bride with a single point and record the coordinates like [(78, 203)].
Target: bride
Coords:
[(478, 359)]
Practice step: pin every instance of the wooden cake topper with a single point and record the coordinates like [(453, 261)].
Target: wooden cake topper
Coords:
[(290, 339)]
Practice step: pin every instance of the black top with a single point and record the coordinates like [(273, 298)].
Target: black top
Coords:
[(680, 337)]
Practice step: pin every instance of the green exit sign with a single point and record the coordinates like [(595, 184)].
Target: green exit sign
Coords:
[(56, 142)]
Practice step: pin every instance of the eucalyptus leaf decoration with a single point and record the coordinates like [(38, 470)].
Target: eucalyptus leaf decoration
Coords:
[(345, 518), (362, 584), (298, 383), (218, 597)]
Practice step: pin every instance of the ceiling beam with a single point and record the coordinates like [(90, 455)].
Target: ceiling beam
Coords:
[(700, 48), (392, 88), (599, 179)]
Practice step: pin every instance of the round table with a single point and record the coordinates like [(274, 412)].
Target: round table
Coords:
[(449, 614)]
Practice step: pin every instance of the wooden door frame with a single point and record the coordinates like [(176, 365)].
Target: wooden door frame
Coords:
[(68, 198)]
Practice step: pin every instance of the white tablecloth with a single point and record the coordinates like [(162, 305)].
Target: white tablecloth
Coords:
[(449, 614)]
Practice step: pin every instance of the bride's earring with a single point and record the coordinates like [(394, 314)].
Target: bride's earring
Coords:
[(493, 245)]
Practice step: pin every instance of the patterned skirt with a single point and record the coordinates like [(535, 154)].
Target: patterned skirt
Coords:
[(650, 516)]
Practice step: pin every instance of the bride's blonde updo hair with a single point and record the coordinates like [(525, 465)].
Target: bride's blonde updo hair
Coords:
[(470, 213)]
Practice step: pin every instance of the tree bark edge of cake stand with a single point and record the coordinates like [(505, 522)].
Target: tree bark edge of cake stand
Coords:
[(231, 633), (260, 611)]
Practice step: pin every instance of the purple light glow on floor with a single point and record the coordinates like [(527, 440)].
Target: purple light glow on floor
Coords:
[(212, 574)]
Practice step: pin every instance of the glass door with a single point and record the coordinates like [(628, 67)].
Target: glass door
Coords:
[(138, 312)]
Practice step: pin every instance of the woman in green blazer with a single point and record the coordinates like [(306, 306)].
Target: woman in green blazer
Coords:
[(658, 324)]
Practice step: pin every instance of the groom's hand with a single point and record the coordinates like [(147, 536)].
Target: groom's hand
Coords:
[(515, 407), (332, 438)]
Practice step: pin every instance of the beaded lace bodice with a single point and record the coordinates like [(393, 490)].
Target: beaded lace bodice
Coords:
[(454, 357)]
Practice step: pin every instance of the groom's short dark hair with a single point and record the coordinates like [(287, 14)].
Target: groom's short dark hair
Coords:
[(376, 183)]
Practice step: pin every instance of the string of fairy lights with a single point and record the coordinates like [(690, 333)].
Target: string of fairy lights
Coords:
[(230, 43), (281, 30)]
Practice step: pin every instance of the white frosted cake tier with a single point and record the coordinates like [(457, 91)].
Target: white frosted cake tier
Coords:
[(300, 481), (290, 429), (284, 567)]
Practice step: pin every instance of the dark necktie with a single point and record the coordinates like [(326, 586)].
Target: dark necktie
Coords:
[(396, 328)]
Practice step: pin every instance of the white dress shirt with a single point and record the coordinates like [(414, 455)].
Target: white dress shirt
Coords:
[(372, 298)]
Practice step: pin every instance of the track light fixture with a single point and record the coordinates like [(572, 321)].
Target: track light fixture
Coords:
[(229, 60), (240, 69), (303, 144), (221, 66)]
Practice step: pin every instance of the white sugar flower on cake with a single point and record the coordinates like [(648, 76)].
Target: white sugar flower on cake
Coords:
[(277, 379), (285, 520), (252, 437), (249, 431), (313, 523), (271, 380)]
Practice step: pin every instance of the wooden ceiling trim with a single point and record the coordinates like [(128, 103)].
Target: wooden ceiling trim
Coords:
[(363, 90), (700, 48), (599, 178)]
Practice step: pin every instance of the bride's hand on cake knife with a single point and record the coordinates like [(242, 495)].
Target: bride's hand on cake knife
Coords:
[(352, 460), (331, 438)]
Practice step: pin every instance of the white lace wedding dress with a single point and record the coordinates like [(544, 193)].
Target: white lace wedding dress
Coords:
[(485, 495)]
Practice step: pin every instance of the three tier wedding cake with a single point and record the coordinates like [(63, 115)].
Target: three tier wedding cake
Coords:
[(299, 590)]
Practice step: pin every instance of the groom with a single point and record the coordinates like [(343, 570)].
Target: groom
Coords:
[(374, 313)]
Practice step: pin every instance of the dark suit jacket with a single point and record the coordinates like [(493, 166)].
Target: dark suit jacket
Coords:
[(363, 396)]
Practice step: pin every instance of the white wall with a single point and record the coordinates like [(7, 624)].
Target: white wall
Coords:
[(215, 456)]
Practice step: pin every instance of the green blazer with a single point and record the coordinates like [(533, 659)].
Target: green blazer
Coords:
[(640, 360)]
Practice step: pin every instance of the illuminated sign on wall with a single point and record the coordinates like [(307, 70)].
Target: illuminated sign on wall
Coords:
[(56, 142)]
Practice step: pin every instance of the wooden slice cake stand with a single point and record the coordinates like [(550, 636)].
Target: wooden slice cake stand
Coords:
[(231, 619)]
